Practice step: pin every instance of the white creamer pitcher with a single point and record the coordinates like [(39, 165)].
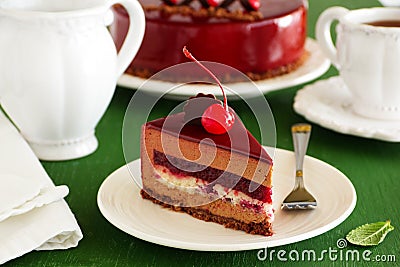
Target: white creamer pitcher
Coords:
[(59, 68)]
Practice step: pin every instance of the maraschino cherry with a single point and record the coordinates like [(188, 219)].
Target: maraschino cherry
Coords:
[(252, 5), (214, 3), (217, 118)]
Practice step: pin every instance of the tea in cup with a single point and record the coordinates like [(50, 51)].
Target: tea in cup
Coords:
[(59, 68), (367, 55)]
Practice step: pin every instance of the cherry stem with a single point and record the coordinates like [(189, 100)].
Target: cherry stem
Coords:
[(189, 55)]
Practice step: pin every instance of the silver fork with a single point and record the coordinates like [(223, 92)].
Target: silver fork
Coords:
[(300, 198)]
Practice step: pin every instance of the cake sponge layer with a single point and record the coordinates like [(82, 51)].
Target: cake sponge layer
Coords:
[(239, 164)]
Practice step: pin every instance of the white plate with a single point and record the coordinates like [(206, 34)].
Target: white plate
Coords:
[(328, 103), (316, 65), (121, 204)]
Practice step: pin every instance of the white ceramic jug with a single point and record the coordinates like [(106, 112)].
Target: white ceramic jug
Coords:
[(59, 68)]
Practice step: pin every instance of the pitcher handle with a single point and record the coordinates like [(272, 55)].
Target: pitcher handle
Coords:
[(323, 32), (134, 36)]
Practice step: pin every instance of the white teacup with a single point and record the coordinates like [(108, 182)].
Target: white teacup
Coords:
[(367, 57), (59, 68)]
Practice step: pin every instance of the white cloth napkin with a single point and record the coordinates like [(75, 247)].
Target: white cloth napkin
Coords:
[(33, 213)]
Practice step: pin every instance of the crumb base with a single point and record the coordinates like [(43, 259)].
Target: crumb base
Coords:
[(263, 228), (282, 70)]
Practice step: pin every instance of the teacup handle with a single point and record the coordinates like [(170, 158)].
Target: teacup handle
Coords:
[(134, 36), (323, 32)]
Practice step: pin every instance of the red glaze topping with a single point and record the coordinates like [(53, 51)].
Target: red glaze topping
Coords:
[(249, 46), (238, 139)]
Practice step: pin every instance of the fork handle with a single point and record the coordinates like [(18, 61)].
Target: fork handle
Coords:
[(301, 134)]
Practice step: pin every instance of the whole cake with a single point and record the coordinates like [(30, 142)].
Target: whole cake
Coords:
[(261, 43), (191, 163)]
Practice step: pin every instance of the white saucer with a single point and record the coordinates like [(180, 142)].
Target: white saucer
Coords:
[(390, 3), (328, 103), (120, 203), (316, 65)]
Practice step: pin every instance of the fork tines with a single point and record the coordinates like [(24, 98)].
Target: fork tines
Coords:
[(299, 205)]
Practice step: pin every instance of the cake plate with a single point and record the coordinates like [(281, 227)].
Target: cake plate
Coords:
[(328, 103), (120, 203), (316, 65)]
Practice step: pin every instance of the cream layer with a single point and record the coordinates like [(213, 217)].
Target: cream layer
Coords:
[(192, 185)]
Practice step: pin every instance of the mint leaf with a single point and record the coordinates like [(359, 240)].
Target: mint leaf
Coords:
[(369, 234)]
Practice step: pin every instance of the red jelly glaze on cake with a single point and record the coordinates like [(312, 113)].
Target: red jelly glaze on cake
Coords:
[(274, 41), (210, 174)]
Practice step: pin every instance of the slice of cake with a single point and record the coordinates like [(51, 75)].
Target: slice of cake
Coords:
[(261, 43), (215, 174)]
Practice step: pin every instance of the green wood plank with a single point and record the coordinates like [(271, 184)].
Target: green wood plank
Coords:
[(372, 166)]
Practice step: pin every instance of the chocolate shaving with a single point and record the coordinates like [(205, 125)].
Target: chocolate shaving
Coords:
[(195, 107), (206, 13), (246, 4)]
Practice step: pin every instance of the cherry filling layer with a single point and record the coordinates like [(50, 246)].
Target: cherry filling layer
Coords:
[(209, 174)]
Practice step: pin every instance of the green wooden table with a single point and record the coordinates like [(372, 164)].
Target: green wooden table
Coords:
[(372, 166)]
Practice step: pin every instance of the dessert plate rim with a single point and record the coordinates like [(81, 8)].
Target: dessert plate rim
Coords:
[(120, 203), (315, 66), (328, 103)]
